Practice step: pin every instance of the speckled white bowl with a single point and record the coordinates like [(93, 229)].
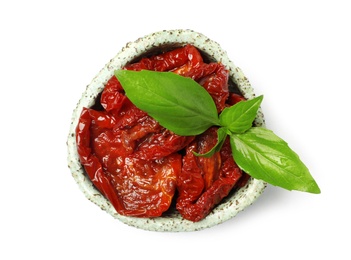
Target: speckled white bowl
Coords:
[(173, 221)]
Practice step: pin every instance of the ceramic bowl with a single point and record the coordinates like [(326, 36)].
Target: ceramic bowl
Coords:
[(153, 43)]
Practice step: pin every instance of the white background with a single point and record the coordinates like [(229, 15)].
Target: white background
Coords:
[(296, 53)]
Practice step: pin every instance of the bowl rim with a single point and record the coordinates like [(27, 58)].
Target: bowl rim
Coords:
[(226, 210)]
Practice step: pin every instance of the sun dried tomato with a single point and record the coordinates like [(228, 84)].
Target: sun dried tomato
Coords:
[(204, 182), (137, 182), (139, 165)]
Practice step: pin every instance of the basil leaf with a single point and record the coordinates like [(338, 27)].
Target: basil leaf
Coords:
[(221, 135), (184, 107), (178, 103), (239, 117), (265, 156)]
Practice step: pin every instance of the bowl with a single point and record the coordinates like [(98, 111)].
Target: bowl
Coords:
[(153, 43)]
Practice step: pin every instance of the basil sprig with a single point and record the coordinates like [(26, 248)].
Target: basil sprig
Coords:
[(184, 107)]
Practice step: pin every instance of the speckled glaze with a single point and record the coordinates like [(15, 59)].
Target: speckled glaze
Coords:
[(173, 222)]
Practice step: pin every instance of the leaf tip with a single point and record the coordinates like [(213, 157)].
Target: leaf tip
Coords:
[(314, 188), (311, 187), (117, 72)]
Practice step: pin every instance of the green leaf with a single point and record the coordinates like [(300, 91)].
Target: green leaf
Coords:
[(265, 156), (221, 135), (178, 103), (184, 107), (239, 117)]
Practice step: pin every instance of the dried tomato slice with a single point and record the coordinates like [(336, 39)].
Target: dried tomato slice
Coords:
[(135, 186), (204, 182)]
